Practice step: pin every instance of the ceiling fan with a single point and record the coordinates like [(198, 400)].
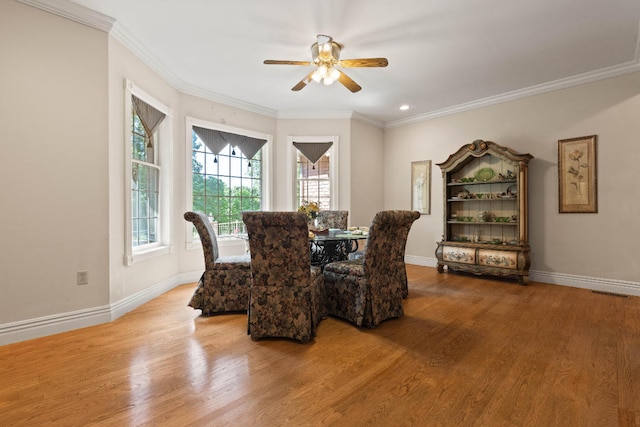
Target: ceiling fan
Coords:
[(325, 55)]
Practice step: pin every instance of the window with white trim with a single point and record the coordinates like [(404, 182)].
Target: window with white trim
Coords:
[(315, 170), (227, 174), (147, 173)]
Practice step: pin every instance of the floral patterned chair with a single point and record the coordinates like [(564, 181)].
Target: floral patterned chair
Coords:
[(369, 290), (287, 293), (332, 219), (225, 283)]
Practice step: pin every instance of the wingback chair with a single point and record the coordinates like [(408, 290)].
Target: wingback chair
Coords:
[(332, 219), (287, 293), (225, 283), (369, 290)]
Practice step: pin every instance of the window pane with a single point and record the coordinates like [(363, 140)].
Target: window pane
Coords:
[(314, 181), (138, 145), (225, 188)]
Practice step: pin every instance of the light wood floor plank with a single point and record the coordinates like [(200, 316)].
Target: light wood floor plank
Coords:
[(469, 351)]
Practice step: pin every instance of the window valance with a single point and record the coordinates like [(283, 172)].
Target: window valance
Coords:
[(313, 150), (217, 140)]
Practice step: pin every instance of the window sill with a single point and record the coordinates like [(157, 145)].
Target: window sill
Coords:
[(227, 245), (146, 254)]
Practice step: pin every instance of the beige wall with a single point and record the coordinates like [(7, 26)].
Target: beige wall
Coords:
[(53, 169), (62, 173), (283, 189), (191, 106), (366, 174), (128, 280), (602, 245)]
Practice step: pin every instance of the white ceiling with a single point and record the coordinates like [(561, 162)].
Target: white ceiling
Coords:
[(444, 55)]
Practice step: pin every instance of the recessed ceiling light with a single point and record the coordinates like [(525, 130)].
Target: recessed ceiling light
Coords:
[(404, 107)]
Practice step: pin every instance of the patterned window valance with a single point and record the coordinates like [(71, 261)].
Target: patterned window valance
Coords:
[(217, 140)]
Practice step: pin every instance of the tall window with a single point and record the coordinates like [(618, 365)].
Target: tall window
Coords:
[(145, 180), (314, 181), (315, 162), (148, 165), (226, 177)]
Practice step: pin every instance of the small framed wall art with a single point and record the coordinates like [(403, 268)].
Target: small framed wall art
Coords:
[(421, 187), (577, 175)]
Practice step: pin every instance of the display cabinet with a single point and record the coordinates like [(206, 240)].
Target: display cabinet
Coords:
[(485, 211)]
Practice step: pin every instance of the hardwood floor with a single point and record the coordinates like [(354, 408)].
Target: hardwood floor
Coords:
[(469, 351)]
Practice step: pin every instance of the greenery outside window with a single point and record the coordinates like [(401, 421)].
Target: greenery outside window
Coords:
[(148, 161), (223, 181), (145, 177)]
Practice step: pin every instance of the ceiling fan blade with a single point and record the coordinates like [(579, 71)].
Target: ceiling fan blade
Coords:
[(302, 83), (275, 62), (364, 62), (348, 82)]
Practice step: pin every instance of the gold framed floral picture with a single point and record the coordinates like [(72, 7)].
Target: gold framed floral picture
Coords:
[(421, 187), (577, 175)]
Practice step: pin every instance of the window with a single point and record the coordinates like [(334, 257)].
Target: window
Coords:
[(315, 162), (313, 181), (147, 174), (145, 177), (227, 174)]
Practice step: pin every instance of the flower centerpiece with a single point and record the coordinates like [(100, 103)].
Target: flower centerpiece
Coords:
[(311, 209)]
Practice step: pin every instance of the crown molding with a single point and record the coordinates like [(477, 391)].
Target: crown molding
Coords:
[(580, 79), (74, 12), (315, 114), (85, 16), (368, 120), (226, 100), (124, 36)]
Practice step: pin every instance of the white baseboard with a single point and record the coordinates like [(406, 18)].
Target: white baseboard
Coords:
[(63, 322), (593, 283), (423, 261)]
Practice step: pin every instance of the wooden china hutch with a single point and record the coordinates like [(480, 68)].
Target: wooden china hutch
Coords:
[(485, 211)]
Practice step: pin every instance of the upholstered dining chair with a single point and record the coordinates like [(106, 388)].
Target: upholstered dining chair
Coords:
[(369, 290), (287, 293), (225, 283), (332, 219)]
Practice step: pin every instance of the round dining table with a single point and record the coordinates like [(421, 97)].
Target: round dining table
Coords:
[(333, 245)]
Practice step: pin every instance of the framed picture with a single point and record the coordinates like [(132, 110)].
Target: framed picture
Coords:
[(577, 175), (421, 187)]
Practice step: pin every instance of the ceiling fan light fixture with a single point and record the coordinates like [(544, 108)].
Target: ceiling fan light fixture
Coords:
[(322, 71), (325, 54)]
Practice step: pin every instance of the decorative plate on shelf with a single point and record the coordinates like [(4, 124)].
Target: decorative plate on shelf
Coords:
[(485, 174), (512, 190)]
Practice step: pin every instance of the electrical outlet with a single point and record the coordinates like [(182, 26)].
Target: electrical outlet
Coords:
[(83, 277)]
